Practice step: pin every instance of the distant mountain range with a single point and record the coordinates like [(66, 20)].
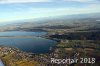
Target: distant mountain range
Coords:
[(92, 20)]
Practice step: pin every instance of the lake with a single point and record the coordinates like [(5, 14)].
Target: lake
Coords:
[(1, 63), (33, 44)]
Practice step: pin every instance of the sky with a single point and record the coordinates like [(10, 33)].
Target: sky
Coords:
[(13, 10)]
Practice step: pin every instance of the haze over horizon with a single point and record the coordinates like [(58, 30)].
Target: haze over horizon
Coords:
[(13, 10)]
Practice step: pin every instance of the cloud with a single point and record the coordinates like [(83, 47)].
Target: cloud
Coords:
[(79, 0), (22, 1), (83, 1)]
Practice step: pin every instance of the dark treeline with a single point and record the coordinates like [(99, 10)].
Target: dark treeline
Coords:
[(78, 36)]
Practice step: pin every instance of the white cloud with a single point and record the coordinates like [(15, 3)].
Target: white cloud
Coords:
[(84, 1), (22, 1)]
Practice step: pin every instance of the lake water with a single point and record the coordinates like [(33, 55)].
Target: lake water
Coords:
[(34, 44), (1, 64)]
